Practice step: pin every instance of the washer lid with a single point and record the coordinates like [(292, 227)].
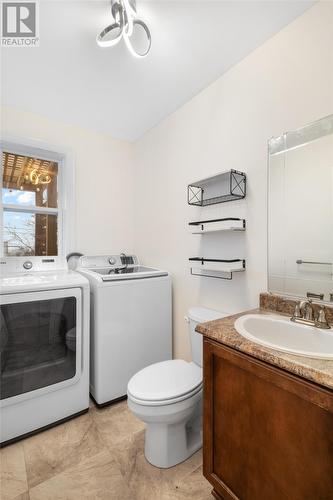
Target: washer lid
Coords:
[(130, 272), (165, 380)]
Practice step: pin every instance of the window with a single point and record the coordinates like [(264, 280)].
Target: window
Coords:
[(30, 201)]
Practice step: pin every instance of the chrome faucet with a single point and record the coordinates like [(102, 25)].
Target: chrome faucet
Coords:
[(306, 310), (304, 313)]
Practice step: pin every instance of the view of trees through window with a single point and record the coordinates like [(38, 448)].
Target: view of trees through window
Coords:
[(30, 205)]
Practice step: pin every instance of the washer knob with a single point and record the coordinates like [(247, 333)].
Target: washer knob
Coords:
[(112, 261), (27, 264)]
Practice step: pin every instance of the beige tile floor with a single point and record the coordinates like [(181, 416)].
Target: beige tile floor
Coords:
[(96, 456)]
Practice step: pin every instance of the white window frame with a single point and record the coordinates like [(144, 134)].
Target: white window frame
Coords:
[(65, 178)]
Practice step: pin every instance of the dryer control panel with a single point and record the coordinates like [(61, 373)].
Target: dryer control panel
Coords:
[(17, 265)]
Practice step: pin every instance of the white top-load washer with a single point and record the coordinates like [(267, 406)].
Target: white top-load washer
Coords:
[(44, 344), (131, 321)]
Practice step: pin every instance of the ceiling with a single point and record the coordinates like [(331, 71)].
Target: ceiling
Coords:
[(69, 78)]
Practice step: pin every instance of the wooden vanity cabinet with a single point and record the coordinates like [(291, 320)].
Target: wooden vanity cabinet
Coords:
[(268, 435)]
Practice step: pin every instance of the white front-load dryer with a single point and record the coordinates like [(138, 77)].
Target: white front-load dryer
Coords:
[(44, 347)]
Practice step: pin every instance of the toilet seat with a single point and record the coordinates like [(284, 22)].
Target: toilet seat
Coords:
[(165, 383), (165, 402)]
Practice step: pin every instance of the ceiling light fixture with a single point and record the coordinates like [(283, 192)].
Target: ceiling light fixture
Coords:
[(125, 20), (39, 177)]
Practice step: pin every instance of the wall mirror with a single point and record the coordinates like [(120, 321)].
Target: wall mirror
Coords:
[(300, 212)]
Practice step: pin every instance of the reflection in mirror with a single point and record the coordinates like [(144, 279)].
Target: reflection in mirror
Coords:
[(300, 214)]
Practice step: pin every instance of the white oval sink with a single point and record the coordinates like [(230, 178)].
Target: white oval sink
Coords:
[(280, 333)]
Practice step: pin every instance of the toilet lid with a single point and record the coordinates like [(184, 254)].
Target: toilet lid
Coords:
[(165, 380)]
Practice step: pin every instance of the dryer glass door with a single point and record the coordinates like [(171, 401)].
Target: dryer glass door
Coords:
[(40, 343)]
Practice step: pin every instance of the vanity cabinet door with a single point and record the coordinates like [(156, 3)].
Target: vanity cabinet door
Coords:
[(268, 435)]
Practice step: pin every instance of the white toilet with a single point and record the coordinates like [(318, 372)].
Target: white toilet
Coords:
[(167, 396)]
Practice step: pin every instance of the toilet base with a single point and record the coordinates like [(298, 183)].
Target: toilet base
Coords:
[(167, 446), (173, 432)]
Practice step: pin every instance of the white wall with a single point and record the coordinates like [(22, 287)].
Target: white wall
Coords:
[(103, 179), (284, 84)]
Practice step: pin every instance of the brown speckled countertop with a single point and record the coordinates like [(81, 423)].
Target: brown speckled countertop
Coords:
[(222, 330)]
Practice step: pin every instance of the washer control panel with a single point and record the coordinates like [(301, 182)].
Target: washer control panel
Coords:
[(109, 261)]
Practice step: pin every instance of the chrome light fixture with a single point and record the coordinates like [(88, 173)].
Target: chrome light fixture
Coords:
[(125, 19)]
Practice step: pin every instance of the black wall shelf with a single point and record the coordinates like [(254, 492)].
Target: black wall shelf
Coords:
[(227, 186), (216, 268), (215, 225)]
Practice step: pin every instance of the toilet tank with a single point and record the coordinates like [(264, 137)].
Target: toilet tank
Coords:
[(195, 316)]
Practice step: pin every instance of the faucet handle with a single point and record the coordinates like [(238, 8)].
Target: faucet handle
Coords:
[(321, 320)]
